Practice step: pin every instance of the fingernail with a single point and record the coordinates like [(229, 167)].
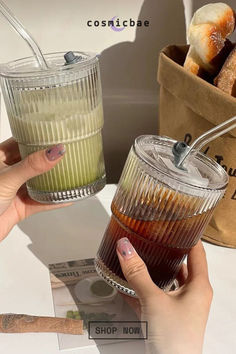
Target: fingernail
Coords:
[(125, 248), (55, 152)]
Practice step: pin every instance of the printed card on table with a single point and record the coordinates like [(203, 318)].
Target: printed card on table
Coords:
[(79, 293)]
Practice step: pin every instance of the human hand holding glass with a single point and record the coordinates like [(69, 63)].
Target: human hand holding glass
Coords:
[(176, 319), (15, 204)]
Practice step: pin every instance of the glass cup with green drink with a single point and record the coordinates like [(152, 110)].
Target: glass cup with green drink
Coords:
[(62, 104)]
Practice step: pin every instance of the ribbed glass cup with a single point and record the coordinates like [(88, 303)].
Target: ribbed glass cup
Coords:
[(162, 213), (59, 105)]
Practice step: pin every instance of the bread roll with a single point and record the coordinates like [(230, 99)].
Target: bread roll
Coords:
[(226, 80), (208, 30)]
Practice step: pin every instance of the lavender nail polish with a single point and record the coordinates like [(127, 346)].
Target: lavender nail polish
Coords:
[(125, 248), (55, 152)]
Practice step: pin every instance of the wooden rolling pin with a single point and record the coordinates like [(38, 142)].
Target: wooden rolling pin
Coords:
[(18, 323)]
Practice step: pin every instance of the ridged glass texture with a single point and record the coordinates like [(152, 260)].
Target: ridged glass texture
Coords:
[(162, 222), (63, 106)]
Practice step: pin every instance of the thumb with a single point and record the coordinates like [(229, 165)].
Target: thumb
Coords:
[(135, 270), (33, 165)]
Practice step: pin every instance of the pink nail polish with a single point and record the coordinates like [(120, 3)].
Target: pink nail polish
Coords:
[(125, 248), (55, 152)]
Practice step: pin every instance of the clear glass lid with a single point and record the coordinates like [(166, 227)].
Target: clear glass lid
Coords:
[(28, 67), (200, 172)]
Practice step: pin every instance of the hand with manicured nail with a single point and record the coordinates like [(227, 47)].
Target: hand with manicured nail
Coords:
[(176, 319), (15, 204)]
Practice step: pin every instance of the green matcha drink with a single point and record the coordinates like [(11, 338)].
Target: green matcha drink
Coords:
[(59, 105)]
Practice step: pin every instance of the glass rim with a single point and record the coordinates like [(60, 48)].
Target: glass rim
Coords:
[(90, 58), (199, 155)]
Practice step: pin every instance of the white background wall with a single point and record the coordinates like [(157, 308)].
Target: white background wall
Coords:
[(128, 58)]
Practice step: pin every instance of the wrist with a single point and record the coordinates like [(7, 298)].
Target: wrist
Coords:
[(155, 347)]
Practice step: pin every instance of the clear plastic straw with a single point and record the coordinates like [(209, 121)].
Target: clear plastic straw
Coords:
[(206, 138), (20, 29)]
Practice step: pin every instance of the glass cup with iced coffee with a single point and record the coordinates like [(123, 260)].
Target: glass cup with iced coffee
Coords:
[(161, 209)]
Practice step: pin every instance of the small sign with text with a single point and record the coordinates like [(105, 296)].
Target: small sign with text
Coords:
[(118, 330)]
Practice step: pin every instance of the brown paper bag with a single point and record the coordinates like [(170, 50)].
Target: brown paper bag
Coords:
[(190, 106)]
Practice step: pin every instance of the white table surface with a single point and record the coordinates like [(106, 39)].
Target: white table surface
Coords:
[(75, 233)]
